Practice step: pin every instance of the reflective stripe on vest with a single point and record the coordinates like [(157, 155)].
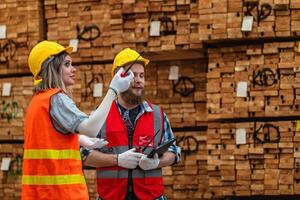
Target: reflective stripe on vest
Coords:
[(137, 173), (158, 124), (53, 180), (51, 154)]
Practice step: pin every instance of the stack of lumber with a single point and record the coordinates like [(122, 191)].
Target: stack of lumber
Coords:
[(122, 24), (13, 107), (23, 24), (270, 72), (222, 19), (10, 187), (257, 167), (88, 21)]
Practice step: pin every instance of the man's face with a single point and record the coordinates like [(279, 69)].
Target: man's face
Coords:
[(137, 86), (134, 95)]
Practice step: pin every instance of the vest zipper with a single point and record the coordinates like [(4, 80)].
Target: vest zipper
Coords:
[(130, 138), (130, 182)]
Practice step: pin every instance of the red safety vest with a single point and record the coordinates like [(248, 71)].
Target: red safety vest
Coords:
[(52, 167), (112, 181)]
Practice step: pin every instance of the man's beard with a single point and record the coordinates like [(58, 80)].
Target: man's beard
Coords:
[(131, 98)]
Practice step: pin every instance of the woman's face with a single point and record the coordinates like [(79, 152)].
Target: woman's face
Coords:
[(68, 71)]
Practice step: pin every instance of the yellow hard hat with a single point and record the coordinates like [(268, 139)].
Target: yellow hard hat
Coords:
[(125, 56), (40, 53)]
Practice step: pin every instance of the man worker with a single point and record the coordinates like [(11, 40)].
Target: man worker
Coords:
[(132, 129)]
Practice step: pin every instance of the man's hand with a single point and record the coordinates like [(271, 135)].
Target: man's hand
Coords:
[(149, 163), (129, 159), (92, 143)]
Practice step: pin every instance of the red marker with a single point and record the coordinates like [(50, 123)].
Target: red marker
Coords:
[(125, 73)]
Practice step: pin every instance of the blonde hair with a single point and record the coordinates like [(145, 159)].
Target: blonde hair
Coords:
[(51, 74)]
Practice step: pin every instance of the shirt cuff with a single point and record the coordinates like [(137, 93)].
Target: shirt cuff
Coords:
[(76, 124), (177, 153)]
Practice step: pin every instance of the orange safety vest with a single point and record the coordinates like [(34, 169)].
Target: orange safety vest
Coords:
[(52, 167), (112, 181)]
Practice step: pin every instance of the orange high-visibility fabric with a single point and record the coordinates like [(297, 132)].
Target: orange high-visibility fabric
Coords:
[(52, 168)]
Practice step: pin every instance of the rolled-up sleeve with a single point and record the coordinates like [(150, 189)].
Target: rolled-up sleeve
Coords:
[(168, 135), (64, 114)]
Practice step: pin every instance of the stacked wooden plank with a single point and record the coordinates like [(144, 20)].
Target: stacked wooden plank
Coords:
[(195, 41), (87, 21), (90, 177), (10, 187), (116, 24), (122, 24), (23, 28), (266, 163), (183, 25), (133, 25), (179, 25), (257, 167), (103, 29), (13, 107), (223, 19), (189, 178), (182, 110), (270, 72)]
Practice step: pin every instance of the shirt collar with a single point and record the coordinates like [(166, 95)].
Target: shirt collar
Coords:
[(145, 107)]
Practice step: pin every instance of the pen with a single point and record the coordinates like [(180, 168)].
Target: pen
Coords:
[(125, 73)]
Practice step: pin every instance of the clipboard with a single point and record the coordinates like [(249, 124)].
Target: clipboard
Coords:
[(161, 148)]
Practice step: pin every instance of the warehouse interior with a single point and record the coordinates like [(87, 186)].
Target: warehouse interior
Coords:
[(226, 72)]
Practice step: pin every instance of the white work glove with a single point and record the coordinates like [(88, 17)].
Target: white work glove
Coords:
[(119, 83), (149, 163), (92, 143), (129, 159)]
